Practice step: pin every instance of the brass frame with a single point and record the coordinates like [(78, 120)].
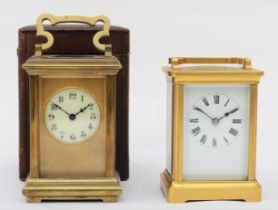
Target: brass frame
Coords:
[(98, 188), (177, 190)]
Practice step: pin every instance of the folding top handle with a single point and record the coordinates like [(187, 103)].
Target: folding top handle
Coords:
[(54, 20), (176, 61)]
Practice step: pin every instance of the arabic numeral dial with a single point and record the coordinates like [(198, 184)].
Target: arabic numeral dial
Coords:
[(72, 115)]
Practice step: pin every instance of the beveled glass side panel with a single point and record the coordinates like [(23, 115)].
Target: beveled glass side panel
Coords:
[(169, 131)]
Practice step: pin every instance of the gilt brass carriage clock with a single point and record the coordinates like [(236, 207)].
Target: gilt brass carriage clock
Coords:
[(211, 131), (72, 120)]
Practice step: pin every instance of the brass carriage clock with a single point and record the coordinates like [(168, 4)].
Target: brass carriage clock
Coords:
[(72, 114), (211, 131)]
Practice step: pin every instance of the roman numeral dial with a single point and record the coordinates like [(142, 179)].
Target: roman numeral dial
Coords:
[(215, 120)]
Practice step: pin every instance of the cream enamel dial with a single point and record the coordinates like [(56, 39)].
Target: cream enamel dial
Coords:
[(72, 116)]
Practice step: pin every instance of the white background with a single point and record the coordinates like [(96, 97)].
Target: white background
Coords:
[(159, 29)]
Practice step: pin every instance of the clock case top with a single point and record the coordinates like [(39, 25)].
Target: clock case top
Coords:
[(243, 73), (75, 40)]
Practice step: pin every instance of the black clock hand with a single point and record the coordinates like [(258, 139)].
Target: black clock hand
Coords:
[(200, 110), (228, 113), (83, 109), (60, 108)]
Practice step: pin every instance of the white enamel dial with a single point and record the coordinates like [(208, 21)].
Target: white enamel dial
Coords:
[(215, 120), (216, 131), (72, 116)]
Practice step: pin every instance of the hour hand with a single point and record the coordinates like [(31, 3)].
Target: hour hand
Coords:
[(60, 108), (83, 109), (228, 113), (200, 110)]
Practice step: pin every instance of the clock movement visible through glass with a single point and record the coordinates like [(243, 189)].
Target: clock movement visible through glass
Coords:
[(72, 115)]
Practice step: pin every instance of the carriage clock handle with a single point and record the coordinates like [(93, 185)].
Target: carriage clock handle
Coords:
[(176, 61), (54, 20)]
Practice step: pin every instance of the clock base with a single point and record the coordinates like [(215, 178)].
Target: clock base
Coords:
[(98, 189), (180, 192)]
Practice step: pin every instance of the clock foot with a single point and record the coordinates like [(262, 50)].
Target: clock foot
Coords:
[(110, 199), (180, 192), (98, 189), (34, 199)]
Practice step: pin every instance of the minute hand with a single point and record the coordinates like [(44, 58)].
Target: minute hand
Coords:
[(61, 108), (200, 110), (228, 113)]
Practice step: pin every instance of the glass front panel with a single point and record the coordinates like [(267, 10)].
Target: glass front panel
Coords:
[(72, 138), (216, 132)]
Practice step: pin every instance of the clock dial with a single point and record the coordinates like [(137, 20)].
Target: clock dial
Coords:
[(72, 116), (215, 120)]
